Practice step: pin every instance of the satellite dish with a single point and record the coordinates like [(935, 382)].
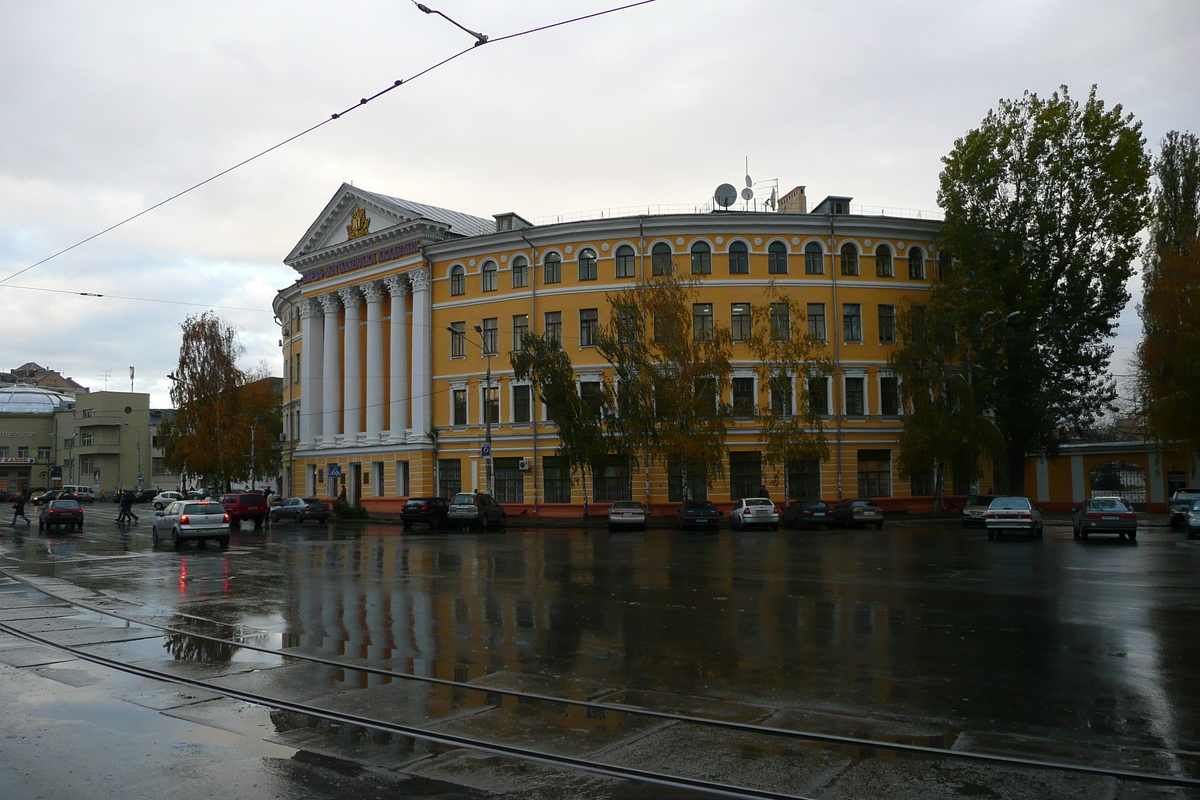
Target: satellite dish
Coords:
[(747, 193), (749, 183), (726, 195)]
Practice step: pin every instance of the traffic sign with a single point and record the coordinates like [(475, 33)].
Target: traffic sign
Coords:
[(485, 451), (335, 471)]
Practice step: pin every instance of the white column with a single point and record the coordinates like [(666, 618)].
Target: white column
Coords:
[(311, 344), (331, 378), (398, 366), (352, 365), (422, 354), (373, 292)]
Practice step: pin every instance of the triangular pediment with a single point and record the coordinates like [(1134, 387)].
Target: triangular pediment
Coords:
[(356, 218)]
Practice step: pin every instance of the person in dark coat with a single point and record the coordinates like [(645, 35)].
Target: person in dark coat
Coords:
[(19, 509), (762, 491), (127, 508)]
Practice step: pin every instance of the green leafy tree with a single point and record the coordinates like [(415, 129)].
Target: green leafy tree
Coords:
[(789, 358), (671, 364), (1044, 203), (1168, 357), (581, 440)]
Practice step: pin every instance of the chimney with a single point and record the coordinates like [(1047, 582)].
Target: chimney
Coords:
[(794, 202)]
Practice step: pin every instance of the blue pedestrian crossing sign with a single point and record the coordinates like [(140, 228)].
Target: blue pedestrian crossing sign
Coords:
[(335, 471)]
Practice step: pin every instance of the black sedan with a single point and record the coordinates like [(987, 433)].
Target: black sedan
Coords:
[(807, 514), (428, 510), (702, 514), (1104, 515)]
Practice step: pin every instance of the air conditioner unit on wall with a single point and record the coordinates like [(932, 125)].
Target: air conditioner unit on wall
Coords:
[(523, 465)]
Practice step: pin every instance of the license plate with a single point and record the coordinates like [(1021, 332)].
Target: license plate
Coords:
[(1110, 518)]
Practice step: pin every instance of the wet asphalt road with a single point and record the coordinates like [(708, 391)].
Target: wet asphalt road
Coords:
[(1047, 649)]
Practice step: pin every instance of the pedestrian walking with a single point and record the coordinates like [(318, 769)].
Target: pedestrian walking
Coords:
[(762, 491), (19, 509), (127, 514)]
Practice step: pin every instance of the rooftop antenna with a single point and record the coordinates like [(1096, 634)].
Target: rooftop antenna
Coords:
[(131, 380), (104, 376)]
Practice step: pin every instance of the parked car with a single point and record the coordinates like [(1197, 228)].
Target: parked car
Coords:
[(189, 519), (1104, 515), (697, 514), (428, 510), (807, 514), (475, 511), (60, 513), (975, 511), (57, 494), (163, 499), (85, 494), (299, 509), (144, 496), (1014, 515), (245, 505), (1193, 520), (627, 514), (855, 512), (754, 511), (1181, 503)]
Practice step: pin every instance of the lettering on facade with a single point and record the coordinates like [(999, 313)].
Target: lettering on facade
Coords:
[(14, 434), (17, 461), (360, 262), (360, 224)]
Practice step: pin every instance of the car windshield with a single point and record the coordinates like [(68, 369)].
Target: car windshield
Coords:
[(1108, 504), (1186, 497), (758, 501), (203, 508), (627, 505), (464, 499), (312, 500), (1010, 502), (978, 499), (1196, 505), (698, 504), (65, 505)]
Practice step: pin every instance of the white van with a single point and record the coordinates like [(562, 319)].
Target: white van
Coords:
[(84, 493)]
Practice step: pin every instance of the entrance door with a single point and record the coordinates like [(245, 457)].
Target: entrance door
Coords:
[(355, 493)]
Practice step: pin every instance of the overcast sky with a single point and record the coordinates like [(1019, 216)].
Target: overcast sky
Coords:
[(108, 108)]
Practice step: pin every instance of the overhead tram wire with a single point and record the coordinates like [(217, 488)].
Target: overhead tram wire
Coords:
[(399, 82)]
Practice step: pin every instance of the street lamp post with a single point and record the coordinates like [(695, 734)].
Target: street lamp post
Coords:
[(487, 393), (139, 452)]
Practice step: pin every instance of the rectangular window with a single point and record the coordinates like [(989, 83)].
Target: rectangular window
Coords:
[(491, 405), (740, 322), (745, 475), (87, 438), (818, 395), (296, 370), (520, 328), (922, 484), (889, 396), (556, 476), (781, 396), (696, 484), (23, 451), (874, 473), (458, 339), (589, 323), (743, 397), (610, 475), (625, 262), (702, 322), (814, 260), (520, 273), (849, 260), (587, 265), (883, 262), (591, 393), (816, 321), (43, 454), (158, 466), (887, 324), (402, 484), (855, 397), (87, 468), (916, 264), (458, 407), (522, 404), (739, 259), (804, 479), (777, 259), (852, 322), (554, 325), (552, 269), (510, 481), (701, 259), (781, 322), (488, 277), (4, 451), (491, 335), (449, 477), (88, 413)]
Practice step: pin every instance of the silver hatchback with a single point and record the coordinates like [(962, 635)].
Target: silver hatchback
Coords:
[(187, 519), (475, 511)]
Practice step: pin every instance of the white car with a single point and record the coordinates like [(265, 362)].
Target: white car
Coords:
[(627, 514), (754, 511), (1013, 515), (192, 519), (163, 499)]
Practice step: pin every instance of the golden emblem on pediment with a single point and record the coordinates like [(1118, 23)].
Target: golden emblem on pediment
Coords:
[(360, 224)]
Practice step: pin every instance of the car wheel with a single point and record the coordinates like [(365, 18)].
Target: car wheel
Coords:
[(258, 523), (154, 537), (176, 542), (158, 506), (1191, 534), (1083, 535), (1075, 533), (878, 526), (775, 527), (1041, 530), (223, 542), (1133, 536), (504, 522)]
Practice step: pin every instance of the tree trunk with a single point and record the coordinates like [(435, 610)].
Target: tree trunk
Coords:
[(1016, 469), (939, 468)]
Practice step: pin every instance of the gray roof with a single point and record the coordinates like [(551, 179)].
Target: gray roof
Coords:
[(460, 223), (22, 399)]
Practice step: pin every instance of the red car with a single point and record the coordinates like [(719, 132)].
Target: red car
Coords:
[(66, 513), (247, 505)]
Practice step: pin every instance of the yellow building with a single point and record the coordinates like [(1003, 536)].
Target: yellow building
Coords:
[(386, 335)]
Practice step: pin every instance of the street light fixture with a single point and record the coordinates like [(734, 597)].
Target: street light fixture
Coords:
[(980, 328), (487, 393)]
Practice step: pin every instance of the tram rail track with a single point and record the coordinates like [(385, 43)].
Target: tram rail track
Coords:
[(525, 753)]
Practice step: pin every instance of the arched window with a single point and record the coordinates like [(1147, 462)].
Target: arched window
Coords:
[(701, 259), (660, 259), (777, 259), (458, 280), (883, 261), (587, 264), (739, 259), (916, 264), (552, 268), (814, 259), (849, 259), (487, 276), (625, 263), (520, 272)]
